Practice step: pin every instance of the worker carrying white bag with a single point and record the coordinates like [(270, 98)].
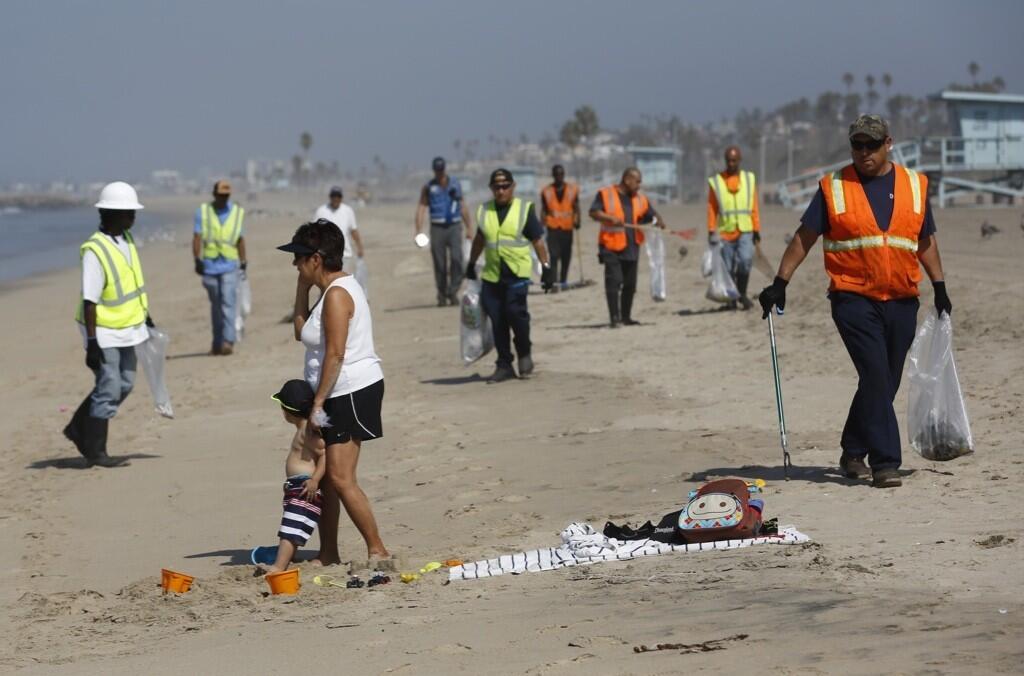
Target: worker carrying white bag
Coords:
[(721, 289), (475, 336), (936, 415), (152, 354), (656, 259)]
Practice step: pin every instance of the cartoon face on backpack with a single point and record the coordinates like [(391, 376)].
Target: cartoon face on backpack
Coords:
[(711, 510)]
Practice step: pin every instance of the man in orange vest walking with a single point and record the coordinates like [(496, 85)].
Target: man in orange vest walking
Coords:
[(733, 218), (878, 232), (560, 210), (623, 212)]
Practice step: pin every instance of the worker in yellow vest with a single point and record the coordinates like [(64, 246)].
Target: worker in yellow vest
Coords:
[(733, 219), (560, 211), (218, 246), (507, 228), (113, 315)]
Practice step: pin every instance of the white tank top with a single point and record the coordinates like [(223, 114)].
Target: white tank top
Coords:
[(361, 366)]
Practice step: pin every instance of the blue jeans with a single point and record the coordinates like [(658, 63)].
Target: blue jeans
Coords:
[(223, 292), (739, 254), (114, 381)]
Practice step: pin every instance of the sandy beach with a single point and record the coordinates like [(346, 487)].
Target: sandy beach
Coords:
[(615, 425)]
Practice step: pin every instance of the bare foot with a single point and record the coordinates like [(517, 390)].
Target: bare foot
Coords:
[(323, 561)]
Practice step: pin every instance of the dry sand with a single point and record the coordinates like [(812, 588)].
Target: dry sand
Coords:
[(614, 425)]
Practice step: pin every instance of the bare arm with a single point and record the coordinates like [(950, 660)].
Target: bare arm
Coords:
[(928, 254), (466, 221), (796, 252), (338, 309), (421, 210), (576, 212), (605, 218), (197, 243), (659, 221), (89, 314), (542, 251), (358, 241), (241, 251), (300, 313)]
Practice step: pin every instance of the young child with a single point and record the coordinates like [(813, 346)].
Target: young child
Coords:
[(304, 468)]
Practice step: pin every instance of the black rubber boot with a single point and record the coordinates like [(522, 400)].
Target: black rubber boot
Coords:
[(94, 443), (742, 280), (73, 430), (627, 310), (614, 317)]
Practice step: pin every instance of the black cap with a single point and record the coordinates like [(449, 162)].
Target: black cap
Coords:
[(438, 163), (336, 190), (296, 396), (503, 175)]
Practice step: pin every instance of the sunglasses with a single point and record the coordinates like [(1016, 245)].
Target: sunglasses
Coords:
[(500, 186), (299, 257), (866, 145)]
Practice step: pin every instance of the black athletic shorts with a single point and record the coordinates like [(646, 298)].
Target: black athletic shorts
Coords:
[(355, 415)]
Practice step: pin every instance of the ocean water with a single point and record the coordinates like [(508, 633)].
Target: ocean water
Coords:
[(33, 241)]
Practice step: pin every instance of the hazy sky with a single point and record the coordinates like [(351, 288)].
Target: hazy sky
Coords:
[(114, 88)]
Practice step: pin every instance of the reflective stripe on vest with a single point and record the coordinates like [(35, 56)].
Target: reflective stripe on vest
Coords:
[(613, 237), (221, 239), (124, 284), (860, 257), (735, 209), (558, 214), (504, 241)]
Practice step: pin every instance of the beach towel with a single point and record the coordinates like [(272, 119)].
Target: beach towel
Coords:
[(582, 546)]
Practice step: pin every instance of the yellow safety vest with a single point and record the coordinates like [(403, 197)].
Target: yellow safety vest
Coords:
[(735, 209), (221, 239), (504, 240), (123, 302)]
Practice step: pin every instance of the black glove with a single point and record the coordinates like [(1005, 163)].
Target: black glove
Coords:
[(243, 265), (93, 354), (471, 271), (773, 296), (199, 267), (712, 237), (942, 302), (149, 322), (576, 226), (757, 237)]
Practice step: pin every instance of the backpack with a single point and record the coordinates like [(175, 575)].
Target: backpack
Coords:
[(721, 510)]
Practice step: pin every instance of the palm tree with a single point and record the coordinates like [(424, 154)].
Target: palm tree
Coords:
[(869, 80), (887, 83), (586, 118), (306, 141), (998, 83), (848, 81), (973, 68)]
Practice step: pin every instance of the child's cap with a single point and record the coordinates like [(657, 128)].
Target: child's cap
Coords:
[(296, 396)]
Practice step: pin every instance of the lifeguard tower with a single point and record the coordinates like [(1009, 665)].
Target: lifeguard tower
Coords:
[(983, 155), (660, 169)]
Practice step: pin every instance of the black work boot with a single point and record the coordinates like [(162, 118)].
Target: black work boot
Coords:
[(501, 374), (627, 310), (73, 430), (94, 443), (525, 365), (742, 280)]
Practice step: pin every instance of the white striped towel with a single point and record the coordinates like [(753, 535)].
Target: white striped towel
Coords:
[(582, 546)]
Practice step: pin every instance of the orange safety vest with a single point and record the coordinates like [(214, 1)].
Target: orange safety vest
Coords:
[(859, 257), (558, 214), (614, 238)]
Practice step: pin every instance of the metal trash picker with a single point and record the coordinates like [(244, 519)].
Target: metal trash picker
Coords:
[(786, 464)]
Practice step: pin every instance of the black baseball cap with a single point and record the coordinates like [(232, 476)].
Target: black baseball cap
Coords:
[(296, 396), (336, 190), (300, 248), (502, 175), (438, 163)]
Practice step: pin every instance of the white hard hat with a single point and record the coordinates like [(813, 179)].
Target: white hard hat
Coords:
[(119, 195)]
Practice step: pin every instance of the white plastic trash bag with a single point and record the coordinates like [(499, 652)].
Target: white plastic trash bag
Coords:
[(475, 336), (706, 261), (656, 259), (936, 416), (243, 305), (721, 289), (362, 275), (152, 354)]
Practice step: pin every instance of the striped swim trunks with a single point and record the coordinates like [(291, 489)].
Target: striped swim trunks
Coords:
[(300, 516)]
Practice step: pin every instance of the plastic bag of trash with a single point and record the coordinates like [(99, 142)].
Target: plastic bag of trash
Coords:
[(362, 275), (706, 261), (936, 415), (475, 336), (152, 354), (721, 289), (244, 295), (656, 259)]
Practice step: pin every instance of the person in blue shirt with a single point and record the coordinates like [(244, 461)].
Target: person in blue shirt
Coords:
[(218, 246), (442, 197)]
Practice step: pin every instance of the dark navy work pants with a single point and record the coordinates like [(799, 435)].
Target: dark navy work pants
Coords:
[(877, 334), (505, 305)]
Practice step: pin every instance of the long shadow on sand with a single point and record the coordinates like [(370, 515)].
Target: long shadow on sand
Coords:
[(459, 380), (813, 474), (236, 557), (686, 312), (602, 325), (188, 355), (78, 462), (414, 307)]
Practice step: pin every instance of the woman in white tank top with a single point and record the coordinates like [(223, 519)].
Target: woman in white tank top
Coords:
[(344, 371)]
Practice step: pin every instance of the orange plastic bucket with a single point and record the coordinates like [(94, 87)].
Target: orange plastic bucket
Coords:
[(172, 581), (284, 582)]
